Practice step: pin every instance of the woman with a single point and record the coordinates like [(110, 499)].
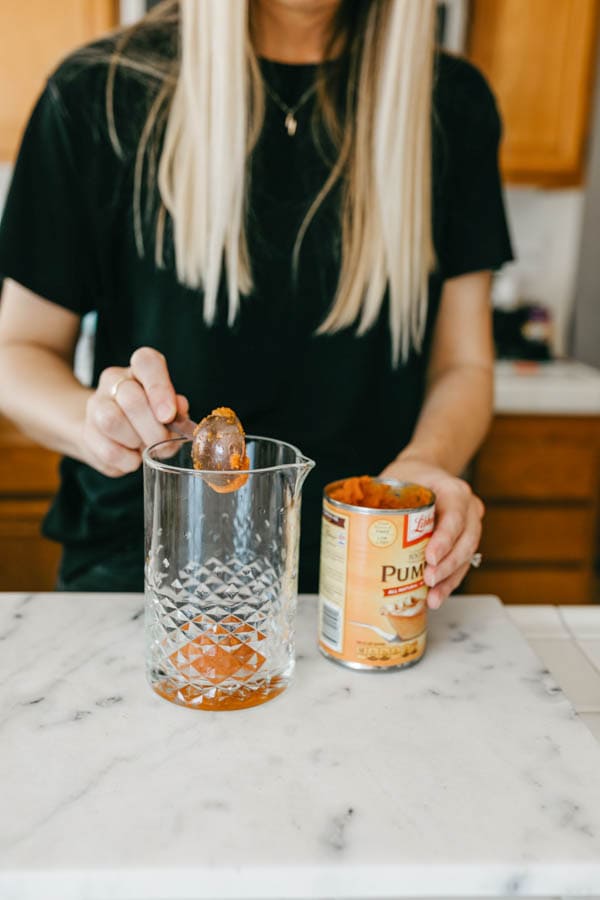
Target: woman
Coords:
[(291, 207)]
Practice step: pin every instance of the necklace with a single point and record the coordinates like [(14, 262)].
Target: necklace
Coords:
[(291, 122)]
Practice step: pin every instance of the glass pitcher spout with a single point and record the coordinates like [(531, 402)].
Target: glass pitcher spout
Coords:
[(304, 466)]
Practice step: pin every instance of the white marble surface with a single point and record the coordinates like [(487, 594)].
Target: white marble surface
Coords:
[(559, 387), (567, 639), (468, 775)]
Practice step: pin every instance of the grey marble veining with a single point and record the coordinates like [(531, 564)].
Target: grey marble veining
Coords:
[(467, 775)]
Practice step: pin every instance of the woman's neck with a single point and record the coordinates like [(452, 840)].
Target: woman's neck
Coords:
[(293, 31)]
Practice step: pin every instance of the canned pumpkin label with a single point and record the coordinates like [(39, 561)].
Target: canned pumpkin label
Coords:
[(372, 594)]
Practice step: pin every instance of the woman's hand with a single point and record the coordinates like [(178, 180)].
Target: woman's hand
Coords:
[(128, 411), (458, 525)]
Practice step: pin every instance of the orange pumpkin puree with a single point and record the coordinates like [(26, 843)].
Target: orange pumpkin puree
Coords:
[(225, 412), (366, 491)]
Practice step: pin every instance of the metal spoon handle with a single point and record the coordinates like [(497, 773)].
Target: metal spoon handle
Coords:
[(183, 426)]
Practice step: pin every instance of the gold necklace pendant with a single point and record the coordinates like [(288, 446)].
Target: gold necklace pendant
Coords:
[(291, 124)]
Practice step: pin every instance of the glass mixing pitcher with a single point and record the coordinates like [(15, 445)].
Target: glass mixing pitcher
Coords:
[(221, 575)]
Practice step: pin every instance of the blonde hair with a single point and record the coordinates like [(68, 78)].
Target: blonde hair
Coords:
[(210, 108)]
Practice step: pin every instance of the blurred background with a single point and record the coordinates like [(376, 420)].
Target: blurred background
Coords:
[(538, 471)]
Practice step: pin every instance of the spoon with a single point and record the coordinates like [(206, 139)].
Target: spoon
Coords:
[(218, 445), (390, 638), (183, 426)]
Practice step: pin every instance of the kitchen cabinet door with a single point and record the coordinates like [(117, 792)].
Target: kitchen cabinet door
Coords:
[(539, 56), (34, 36), (28, 481), (539, 477), (28, 562)]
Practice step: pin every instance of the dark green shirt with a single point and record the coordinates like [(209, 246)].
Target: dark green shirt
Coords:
[(67, 234)]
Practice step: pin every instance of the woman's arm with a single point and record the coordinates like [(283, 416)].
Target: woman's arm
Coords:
[(460, 377), (453, 422), (39, 391)]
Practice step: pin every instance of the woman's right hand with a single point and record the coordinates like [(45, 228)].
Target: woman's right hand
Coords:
[(130, 410)]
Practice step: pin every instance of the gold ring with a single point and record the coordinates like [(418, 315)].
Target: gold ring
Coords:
[(114, 389), (476, 560)]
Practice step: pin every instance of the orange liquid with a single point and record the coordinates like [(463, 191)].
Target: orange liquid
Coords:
[(217, 655), (194, 698)]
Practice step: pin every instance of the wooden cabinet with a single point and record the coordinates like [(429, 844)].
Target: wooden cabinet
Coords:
[(539, 478), (539, 56), (35, 34), (28, 481)]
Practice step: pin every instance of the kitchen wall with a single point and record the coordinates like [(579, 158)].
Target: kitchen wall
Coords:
[(585, 335), (546, 228), (557, 239)]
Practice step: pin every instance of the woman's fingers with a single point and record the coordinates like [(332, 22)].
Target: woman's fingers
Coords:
[(149, 367), (452, 568), (454, 541), (463, 549), (452, 506), (127, 411), (183, 406), (442, 591), (109, 457), (133, 401), (457, 529), (111, 421)]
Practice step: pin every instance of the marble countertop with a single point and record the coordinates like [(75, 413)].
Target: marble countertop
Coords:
[(468, 775), (559, 387)]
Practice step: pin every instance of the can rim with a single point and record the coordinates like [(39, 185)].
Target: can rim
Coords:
[(369, 510)]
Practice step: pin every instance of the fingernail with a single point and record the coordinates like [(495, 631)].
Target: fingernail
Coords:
[(429, 578), (433, 601), (165, 412)]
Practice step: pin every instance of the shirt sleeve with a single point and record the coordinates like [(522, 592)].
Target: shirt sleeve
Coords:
[(476, 235), (45, 233)]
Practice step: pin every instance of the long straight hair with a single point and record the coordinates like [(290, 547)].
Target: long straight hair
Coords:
[(208, 114)]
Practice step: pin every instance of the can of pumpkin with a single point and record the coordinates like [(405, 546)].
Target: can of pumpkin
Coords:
[(372, 593)]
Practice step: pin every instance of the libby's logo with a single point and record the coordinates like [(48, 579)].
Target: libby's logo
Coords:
[(417, 526)]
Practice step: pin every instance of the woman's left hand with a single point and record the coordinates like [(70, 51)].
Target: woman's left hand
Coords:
[(458, 525)]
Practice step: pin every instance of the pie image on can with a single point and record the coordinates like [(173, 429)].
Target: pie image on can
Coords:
[(407, 615), (372, 594)]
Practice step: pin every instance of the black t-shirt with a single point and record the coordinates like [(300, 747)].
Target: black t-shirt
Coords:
[(67, 234)]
